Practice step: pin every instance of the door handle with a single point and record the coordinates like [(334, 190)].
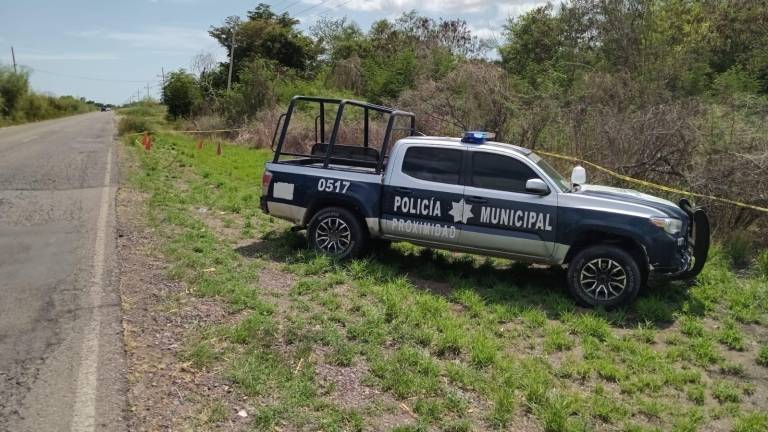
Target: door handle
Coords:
[(477, 200), (404, 191)]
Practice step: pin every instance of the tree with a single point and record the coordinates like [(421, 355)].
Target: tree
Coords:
[(269, 36), (13, 87), (181, 94), (534, 45), (254, 92), (339, 39)]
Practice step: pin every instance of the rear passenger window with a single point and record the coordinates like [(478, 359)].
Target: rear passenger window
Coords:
[(433, 164), (492, 171)]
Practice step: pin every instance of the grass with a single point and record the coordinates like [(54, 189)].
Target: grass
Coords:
[(762, 356), (214, 412), (464, 342)]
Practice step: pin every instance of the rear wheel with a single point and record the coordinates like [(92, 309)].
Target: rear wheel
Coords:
[(604, 275), (338, 233)]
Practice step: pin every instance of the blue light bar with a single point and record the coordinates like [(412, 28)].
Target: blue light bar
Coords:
[(477, 137)]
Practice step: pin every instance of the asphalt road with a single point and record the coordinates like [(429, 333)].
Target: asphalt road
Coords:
[(61, 354)]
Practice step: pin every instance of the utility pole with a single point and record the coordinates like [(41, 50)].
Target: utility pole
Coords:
[(162, 72), (231, 57), (13, 55), (138, 95), (147, 91)]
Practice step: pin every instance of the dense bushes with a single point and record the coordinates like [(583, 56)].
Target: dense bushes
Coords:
[(181, 94), (146, 116), (18, 104)]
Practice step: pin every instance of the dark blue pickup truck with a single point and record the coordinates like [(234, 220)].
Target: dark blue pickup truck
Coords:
[(473, 195)]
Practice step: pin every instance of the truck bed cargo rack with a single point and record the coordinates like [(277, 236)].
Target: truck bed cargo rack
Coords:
[(332, 153)]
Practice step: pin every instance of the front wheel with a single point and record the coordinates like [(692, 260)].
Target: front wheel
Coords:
[(336, 232), (604, 276)]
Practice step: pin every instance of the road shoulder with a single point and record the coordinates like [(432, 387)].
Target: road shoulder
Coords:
[(159, 317)]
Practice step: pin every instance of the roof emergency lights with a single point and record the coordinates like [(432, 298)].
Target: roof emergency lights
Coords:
[(477, 137)]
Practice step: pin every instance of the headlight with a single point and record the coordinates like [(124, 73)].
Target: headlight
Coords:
[(670, 225)]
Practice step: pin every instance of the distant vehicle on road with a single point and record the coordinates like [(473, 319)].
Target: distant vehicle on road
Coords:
[(103, 109), (474, 195)]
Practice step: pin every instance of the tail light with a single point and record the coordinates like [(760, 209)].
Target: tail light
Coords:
[(266, 180)]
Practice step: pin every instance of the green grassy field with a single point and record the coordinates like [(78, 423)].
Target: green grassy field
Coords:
[(414, 339)]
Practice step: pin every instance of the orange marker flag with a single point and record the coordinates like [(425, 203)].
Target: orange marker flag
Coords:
[(147, 141)]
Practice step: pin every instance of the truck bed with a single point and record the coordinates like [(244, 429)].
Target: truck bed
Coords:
[(346, 165)]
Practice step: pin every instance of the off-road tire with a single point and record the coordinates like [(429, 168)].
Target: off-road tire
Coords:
[(617, 277), (338, 233)]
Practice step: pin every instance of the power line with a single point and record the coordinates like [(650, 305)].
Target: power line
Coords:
[(285, 9), (313, 7), (336, 7)]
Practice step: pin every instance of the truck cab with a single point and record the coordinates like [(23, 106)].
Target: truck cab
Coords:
[(475, 195)]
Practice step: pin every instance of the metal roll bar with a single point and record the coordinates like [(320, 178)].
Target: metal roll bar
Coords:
[(393, 114)]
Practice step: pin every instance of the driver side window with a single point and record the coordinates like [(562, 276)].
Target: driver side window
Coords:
[(493, 171)]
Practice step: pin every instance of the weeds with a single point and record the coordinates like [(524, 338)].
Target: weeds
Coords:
[(725, 391), (215, 412), (762, 356), (739, 248), (731, 336)]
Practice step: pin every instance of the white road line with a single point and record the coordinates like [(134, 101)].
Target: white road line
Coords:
[(84, 409)]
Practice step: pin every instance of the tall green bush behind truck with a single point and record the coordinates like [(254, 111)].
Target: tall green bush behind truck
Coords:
[(474, 195)]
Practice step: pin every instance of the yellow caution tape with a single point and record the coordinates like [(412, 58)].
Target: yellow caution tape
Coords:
[(189, 131), (207, 131), (652, 185), (573, 159)]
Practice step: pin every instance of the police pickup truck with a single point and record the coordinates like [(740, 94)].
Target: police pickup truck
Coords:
[(477, 196)]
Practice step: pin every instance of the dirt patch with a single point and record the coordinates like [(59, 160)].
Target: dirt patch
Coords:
[(442, 289), (224, 225), (159, 316), (347, 386)]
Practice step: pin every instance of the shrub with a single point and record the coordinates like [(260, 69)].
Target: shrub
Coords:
[(13, 87), (739, 247), (18, 104), (131, 124), (762, 263), (181, 94)]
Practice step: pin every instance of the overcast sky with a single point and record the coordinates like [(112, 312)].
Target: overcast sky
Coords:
[(107, 50)]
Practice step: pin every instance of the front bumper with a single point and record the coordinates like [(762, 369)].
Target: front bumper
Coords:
[(694, 253)]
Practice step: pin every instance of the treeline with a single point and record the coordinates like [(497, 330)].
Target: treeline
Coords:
[(672, 91), (19, 104)]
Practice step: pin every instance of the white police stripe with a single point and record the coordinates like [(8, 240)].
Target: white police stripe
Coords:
[(319, 171)]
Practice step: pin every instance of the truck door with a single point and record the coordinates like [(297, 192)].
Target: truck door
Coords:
[(421, 194), (505, 218)]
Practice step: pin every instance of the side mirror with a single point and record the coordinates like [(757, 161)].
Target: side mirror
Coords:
[(536, 186), (579, 175)]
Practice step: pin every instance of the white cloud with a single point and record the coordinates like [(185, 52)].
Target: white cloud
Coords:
[(513, 9), (157, 38), (485, 32)]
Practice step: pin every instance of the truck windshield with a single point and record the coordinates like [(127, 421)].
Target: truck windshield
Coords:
[(563, 184)]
